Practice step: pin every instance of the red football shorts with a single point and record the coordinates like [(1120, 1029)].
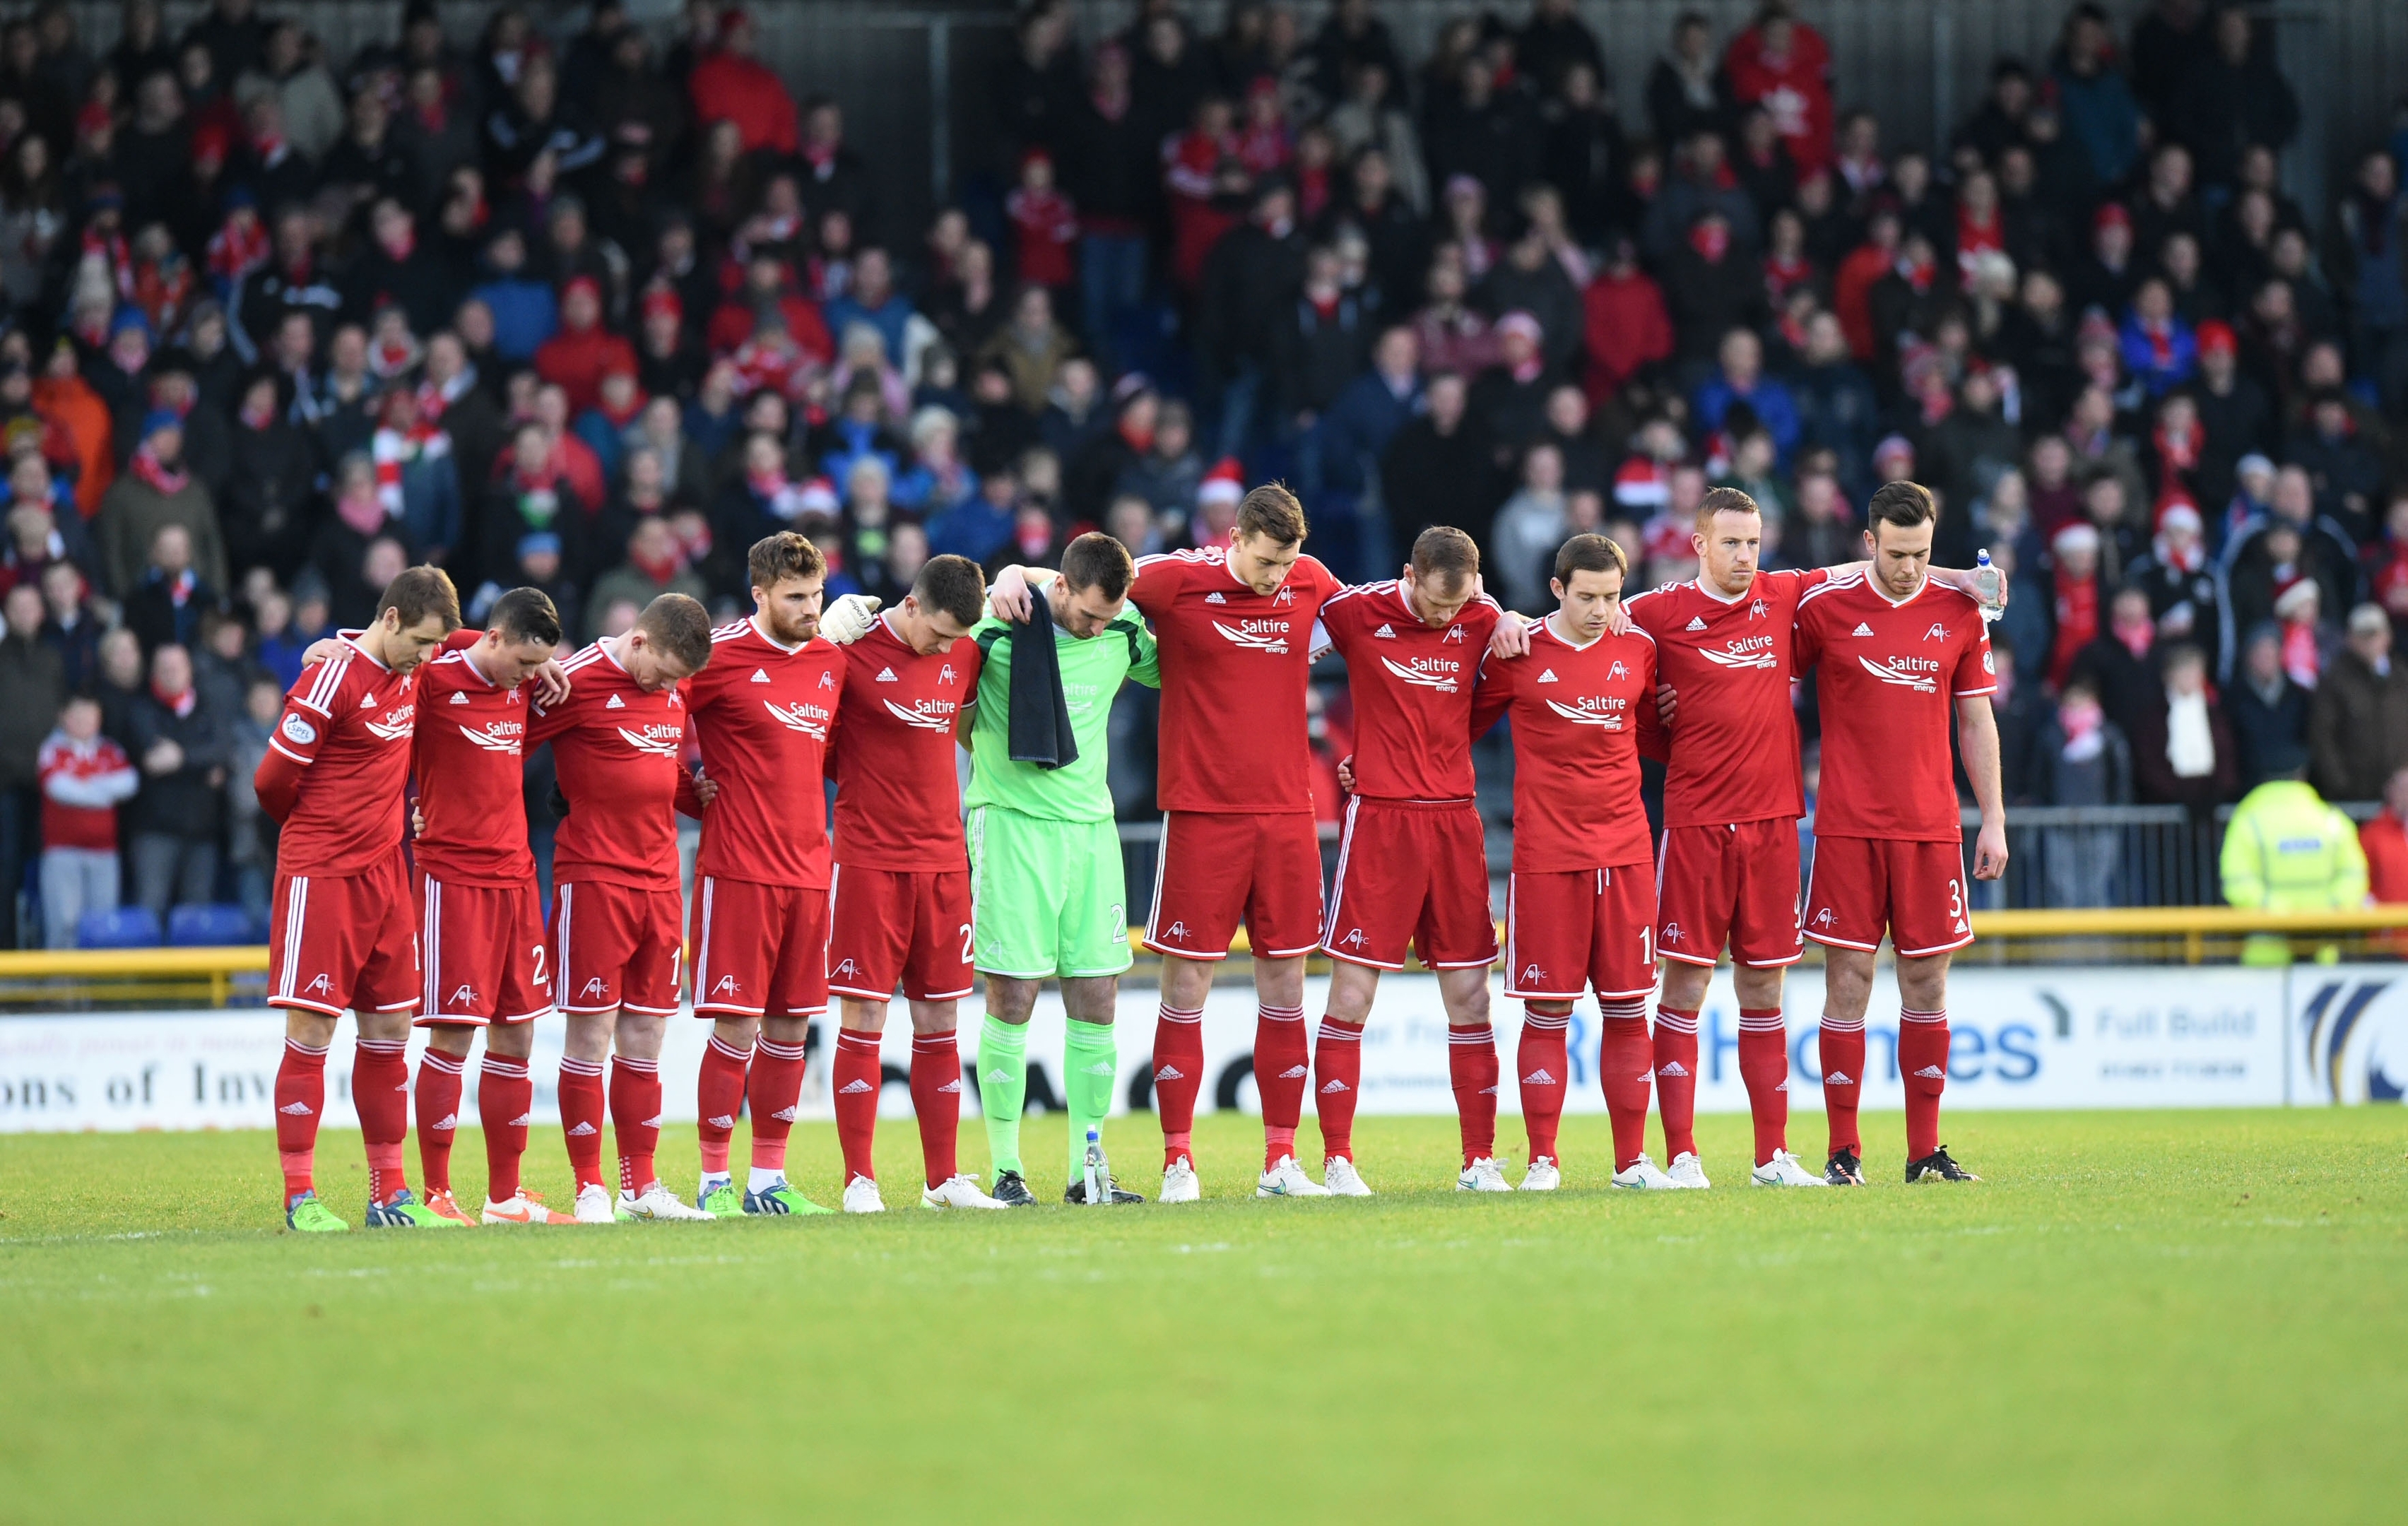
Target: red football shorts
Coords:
[(615, 945), (484, 951), (1410, 869), (907, 927), (759, 950), (1216, 867), (1592, 927), (1735, 884), (1916, 892), (343, 942)]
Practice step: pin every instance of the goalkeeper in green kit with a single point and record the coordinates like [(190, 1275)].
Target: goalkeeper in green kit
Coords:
[(1047, 891)]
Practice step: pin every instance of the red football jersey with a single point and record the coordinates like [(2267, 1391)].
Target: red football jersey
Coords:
[(471, 770), (1577, 715), (349, 722), (897, 796), (616, 749), (762, 713), (1413, 690), (1887, 677), (1235, 667), (1734, 737)]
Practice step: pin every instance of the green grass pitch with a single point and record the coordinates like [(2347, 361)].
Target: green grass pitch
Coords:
[(2138, 1317)]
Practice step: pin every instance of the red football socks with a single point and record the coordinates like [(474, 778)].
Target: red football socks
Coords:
[(1338, 1066), (1472, 1069), (1624, 1068), (636, 1119), (580, 1118), (854, 1080), (719, 1096), (380, 1093), (937, 1102), (1282, 1068), (774, 1094), (439, 1080), (1764, 1067), (300, 1098), (1542, 1063), (506, 1103), (1676, 1080), (1178, 1073), (1841, 1052), (1923, 1066)]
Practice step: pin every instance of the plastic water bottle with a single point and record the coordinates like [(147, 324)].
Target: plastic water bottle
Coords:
[(1990, 586), (1098, 1173)]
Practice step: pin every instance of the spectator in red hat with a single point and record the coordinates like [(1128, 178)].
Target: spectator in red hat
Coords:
[(732, 85), (578, 357), (2103, 277)]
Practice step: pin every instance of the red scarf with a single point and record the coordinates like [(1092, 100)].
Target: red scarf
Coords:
[(1710, 241), (396, 449), (2137, 636), (365, 515), (181, 705), (2077, 622), (1916, 274), (113, 253), (2300, 658), (1782, 275), (168, 481), (1974, 239), (239, 247), (659, 569), (2178, 452)]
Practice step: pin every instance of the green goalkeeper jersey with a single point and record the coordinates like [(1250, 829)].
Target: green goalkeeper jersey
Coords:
[(1092, 671)]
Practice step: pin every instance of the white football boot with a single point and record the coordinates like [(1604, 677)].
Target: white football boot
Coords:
[(1482, 1175), (658, 1203), (1338, 1175), (1179, 1183), (958, 1191), (861, 1196), (1542, 1176), (1645, 1175), (1783, 1170), (593, 1205), (1686, 1170), (1287, 1180)]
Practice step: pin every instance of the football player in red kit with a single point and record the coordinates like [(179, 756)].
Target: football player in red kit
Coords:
[(1580, 914), (340, 936), (761, 712), (1239, 841), (480, 918), (899, 901), (616, 910), (1413, 865), (1895, 650)]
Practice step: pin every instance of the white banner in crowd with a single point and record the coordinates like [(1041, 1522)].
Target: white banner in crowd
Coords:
[(2165, 1037)]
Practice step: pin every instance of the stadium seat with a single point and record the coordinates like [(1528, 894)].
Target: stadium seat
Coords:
[(127, 927), (207, 927)]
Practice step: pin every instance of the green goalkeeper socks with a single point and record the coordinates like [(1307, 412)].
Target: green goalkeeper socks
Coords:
[(1003, 1088), (1090, 1061)]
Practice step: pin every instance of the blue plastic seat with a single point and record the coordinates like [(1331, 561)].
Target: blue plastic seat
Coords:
[(127, 927), (207, 927)]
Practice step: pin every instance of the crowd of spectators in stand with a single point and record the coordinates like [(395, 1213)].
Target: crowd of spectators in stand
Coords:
[(594, 311)]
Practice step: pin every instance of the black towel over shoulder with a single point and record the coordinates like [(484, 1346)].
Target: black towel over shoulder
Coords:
[(1041, 714)]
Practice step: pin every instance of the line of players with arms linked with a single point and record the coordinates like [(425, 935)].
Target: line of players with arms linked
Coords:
[(912, 890)]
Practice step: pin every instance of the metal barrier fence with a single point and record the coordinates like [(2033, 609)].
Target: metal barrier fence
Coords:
[(2066, 858)]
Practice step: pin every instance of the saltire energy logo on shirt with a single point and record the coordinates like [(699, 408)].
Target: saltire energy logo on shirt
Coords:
[(1266, 635), (1920, 673), (1437, 673), (660, 741)]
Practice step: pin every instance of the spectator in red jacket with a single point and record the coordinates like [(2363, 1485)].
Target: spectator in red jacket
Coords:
[(84, 778), (578, 357), (1627, 328), (1785, 65), (732, 85), (2386, 841), (768, 286)]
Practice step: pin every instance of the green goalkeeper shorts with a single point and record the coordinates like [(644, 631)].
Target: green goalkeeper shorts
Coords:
[(1047, 898)]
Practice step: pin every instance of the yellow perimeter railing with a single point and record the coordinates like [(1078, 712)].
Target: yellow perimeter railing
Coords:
[(2147, 934)]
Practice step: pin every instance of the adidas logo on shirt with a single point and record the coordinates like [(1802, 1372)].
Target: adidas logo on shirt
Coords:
[(1862, 629), (854, 1088), (1548, 676), (459, 698), (1697, 622), (616, 703), (759, 677), (368, 701), (1385, 632), (1214, 598), (1538, 1077), (886, 675)]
